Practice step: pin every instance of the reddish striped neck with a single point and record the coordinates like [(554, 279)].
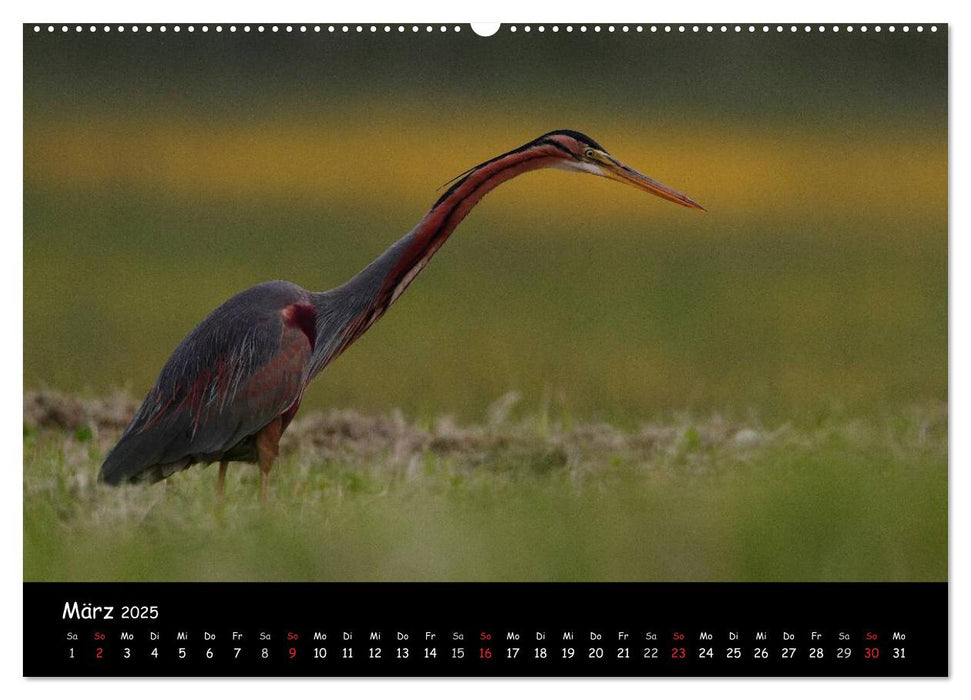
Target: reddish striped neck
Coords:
[(381, 283), (348, 311), (418, 246)]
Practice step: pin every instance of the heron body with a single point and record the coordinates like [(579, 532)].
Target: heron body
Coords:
[(233, 385)]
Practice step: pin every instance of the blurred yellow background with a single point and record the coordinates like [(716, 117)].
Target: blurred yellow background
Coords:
[(164, 175)]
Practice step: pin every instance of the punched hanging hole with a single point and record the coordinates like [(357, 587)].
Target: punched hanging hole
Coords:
[(485, 28)]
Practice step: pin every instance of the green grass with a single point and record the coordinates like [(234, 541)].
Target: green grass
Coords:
[(517, 496)]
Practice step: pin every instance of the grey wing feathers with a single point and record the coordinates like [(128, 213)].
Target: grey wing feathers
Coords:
[(204, 401)]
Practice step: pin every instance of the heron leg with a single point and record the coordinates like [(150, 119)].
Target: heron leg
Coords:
[(221, 483), (267, 447)]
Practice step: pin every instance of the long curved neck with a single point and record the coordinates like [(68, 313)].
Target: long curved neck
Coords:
[(367, 295), (408, 256)]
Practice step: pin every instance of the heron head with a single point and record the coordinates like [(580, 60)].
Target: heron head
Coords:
[(581, 153)]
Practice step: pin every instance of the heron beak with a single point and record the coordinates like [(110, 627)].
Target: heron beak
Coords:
[(615, 170)]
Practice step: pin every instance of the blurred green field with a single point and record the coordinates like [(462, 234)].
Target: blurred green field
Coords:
[(617, 304), (515, 497), (164, 174)]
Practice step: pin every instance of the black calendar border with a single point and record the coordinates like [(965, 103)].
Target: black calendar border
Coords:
[(919, 611)]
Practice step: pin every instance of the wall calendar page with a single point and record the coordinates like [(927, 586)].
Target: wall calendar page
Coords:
[(554, 350)]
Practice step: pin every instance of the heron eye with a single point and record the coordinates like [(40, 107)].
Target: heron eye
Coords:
[(588, 153)]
